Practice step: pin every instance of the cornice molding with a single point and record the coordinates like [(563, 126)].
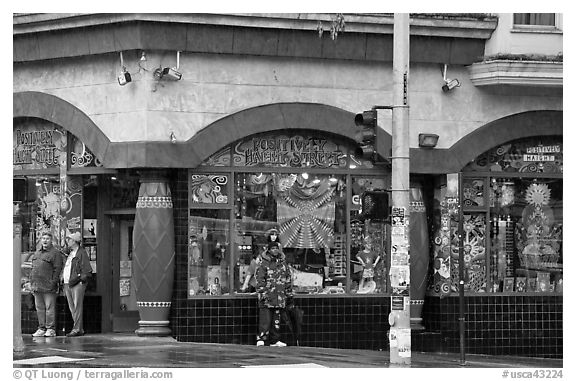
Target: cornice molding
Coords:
[(454, 26)]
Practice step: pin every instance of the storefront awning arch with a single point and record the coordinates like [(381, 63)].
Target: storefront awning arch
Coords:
[(492, 134), (60, 112)]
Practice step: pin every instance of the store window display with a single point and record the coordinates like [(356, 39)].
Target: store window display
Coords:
[(512, 221), (294, 188), (299, 212), (527, 235)]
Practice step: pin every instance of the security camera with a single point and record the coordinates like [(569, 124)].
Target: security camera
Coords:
[(171, 73), (450, 84), (124, 78)]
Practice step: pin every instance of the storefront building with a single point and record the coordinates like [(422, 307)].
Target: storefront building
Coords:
[(175, 183)]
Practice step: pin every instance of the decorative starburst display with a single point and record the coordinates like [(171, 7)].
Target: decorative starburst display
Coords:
[(538, 194), (306, 216)]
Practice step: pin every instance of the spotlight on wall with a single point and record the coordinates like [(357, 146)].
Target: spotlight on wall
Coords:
[(172, 73), (124, 76), (427, 140), (449, 84)]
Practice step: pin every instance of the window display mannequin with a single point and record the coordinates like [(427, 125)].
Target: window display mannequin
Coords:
[(369, 259), (250, 281), (272, 236)]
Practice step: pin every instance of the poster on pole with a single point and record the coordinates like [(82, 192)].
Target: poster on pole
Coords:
[(400, 277), (398, 302), (404, 342), (398, 216)]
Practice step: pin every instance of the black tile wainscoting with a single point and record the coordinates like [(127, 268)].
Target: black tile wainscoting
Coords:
[(350, 322), (517, 325), (92, 315)]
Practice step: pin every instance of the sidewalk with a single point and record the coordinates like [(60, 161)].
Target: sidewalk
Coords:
[(129, 351)]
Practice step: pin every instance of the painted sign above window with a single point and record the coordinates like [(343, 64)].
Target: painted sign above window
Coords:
[(298, 150), (530, 155), (37, 144)]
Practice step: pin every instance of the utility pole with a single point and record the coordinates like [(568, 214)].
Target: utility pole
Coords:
[(399, 318), (18, 342)]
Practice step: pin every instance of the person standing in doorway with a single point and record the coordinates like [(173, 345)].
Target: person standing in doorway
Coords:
[(274, 287), (77, 271), (44, 281)]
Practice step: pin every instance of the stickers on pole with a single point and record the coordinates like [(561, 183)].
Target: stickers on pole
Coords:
[(399, 302), (400, 277), (399, 258), (400, 340)]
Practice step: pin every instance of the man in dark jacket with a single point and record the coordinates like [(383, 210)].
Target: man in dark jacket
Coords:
[(274, 287), (77, 271), (44, 280)]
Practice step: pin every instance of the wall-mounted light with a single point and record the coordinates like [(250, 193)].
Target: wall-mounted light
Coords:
[(170, 73), (449, 84), (172, 137), (124, 76), (427, 140)]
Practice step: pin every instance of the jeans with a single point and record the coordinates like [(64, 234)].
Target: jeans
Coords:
[(269, 324), (46, 309), (75, 296)]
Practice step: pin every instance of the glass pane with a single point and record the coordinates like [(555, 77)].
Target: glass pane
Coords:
[(530, 155), (208, 252), (219, 159), (37, 144), (308, 212), (296, 151), (38, 205), (473, 192), (126, 287), (534, 19), (80, 155), (208, 189), (527, 235), (368, 239), (474, 245)]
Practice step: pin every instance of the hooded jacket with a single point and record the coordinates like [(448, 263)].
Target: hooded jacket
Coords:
[(46, 268), (274, 281)]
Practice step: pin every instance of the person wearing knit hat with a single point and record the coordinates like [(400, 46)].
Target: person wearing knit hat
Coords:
[(274, 288), (77, 271)]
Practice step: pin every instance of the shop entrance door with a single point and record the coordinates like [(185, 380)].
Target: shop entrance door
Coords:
[(125, 314)]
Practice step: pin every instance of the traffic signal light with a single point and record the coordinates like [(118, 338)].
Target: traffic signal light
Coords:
[(375, 205), (366, 136)]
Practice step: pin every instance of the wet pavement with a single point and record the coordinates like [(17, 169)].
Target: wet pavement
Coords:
[(130, 351)]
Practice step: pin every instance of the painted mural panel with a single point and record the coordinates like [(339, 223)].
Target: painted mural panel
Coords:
[(81, 156), (290, 151), (208, 189), (531, 155)]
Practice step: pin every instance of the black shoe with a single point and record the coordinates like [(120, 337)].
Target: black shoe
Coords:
[(74, 333)]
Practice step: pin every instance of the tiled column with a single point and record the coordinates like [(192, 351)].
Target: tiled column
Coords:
[(419, 257), (153, 260)]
